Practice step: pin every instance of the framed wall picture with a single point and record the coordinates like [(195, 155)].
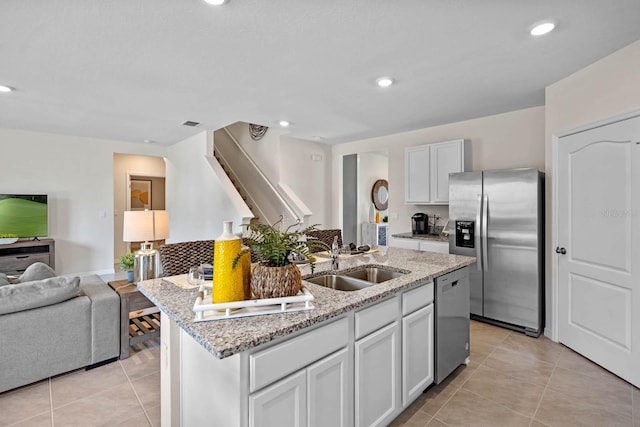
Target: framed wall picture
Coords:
[(140, 194)]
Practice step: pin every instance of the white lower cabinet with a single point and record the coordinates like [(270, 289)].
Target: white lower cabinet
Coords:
[(417, 353), (283, 404), (434, 246), (360, 369), (420, 244), (316, 397), (399, 242), (377, 378), (329, 391), (319, 387)]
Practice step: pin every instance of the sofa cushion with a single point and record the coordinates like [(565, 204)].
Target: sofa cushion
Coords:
[(4, 280), (37, 271), (39, 293)]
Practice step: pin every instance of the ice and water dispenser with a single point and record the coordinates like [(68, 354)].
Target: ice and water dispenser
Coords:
[(465, 234)]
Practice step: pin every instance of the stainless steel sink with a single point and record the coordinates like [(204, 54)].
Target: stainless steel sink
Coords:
[(374, 274), (339, 282), (355, 280)]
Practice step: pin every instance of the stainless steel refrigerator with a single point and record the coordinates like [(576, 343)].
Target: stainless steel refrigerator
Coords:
[(498, 217)]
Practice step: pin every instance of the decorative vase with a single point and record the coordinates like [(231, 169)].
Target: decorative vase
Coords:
[(130, 276), (227, 281), (276, 282)]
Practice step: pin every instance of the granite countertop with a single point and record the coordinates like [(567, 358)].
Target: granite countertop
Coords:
[(431, 237), (224, 338)]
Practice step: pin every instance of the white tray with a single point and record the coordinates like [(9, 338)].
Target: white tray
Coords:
[(254, 307)]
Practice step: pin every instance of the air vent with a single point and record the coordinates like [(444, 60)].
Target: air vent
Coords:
[(190, 123)]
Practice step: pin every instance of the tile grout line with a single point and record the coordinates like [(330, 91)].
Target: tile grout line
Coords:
[(502, 373), (135, 392), (470, 376), (546, 386), (586, 376), (51, 401)]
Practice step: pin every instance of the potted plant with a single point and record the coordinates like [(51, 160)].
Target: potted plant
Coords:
[(7, 238), (275, 275), (126, 264)]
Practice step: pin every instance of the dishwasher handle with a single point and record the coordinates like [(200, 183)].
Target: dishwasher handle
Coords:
[(448, 286)]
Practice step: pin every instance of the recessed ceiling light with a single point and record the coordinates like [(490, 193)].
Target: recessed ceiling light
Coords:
[(148, 141), (542, 28), (284, 123), (5, 89), (216, 2), (384, 81)]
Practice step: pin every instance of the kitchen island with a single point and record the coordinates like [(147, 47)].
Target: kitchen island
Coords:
[(225, 372)]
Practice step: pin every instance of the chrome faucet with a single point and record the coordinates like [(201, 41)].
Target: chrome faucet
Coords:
[(335, 251)]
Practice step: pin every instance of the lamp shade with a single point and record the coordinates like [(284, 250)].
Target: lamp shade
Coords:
[(145, 226)]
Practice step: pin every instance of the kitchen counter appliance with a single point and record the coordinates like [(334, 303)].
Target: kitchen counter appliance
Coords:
[(498, 217), (420, 223), (452, 322)]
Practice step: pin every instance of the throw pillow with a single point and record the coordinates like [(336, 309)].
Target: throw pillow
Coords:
[(3, 279), (40, 293), (37, 271)]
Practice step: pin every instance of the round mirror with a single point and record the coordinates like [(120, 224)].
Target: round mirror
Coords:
[(380, 194)]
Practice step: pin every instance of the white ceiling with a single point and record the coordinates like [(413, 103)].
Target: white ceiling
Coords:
[(136, 69)]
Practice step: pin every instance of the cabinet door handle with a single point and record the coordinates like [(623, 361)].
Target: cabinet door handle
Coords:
[(22, 257), (454, 283)]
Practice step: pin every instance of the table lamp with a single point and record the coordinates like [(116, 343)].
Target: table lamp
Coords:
[(145, 226)]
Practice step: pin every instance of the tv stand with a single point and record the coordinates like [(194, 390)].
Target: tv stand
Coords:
[(16, 257)]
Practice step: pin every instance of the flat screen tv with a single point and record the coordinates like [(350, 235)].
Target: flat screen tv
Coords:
[(25, 215)]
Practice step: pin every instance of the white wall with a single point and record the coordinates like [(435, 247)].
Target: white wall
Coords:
[(306, 168), (302, 165), (125, 165), (77, 174), (509, 140), (265, 152), (607, 88), (196, 203)]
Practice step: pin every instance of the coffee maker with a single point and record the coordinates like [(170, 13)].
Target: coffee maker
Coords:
[(419, 223)]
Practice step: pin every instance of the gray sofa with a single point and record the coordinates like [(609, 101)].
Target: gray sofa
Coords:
[(41, 337)]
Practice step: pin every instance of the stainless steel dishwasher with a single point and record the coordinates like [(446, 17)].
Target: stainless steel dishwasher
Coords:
[(452, 322)]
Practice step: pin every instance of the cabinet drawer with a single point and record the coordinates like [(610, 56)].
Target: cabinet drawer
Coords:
[(433, 246), (19, 263), (417, 298), (399, 242), (271, 364), (374, 318)]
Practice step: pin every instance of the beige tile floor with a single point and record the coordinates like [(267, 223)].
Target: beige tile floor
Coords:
[(515, 380), (121, 393), (512, 380)]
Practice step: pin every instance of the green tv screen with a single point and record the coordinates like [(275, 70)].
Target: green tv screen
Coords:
[(24, 215)]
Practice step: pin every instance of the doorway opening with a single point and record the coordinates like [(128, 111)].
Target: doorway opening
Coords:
[(138, 184)]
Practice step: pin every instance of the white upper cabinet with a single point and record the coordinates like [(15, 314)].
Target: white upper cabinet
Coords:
[(427, 169), (416, 169)]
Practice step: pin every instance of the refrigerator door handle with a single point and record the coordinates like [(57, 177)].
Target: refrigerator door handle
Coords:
[(485, 236), (477, 236)]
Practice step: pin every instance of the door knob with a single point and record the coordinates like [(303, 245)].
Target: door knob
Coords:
[(560, 250)]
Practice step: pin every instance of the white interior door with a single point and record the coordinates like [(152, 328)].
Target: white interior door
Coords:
[(599, 245)]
